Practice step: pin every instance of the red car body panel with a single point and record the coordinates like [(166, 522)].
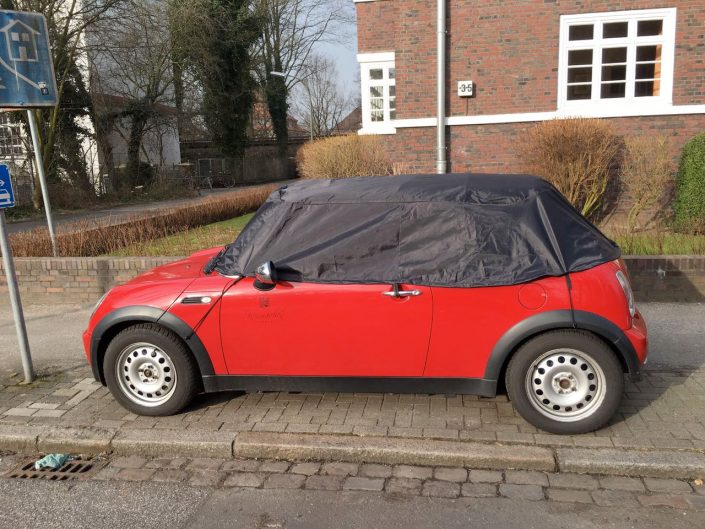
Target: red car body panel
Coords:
[(354, 330), (305, 329), (468, 322)]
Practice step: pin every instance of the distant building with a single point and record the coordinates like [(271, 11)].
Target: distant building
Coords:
[(350, 124)]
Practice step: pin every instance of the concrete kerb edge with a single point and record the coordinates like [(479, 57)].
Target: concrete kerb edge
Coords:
[(393, 451), (28, 439)]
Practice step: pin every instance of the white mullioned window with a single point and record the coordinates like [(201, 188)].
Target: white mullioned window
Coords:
[(378, 83), (623, 58)]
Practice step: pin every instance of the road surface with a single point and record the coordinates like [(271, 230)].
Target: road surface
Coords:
[(117, 505)]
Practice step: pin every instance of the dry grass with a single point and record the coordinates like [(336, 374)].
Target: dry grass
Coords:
[(647, 176), (659, 242), (85, 239), (344, 157), (579, 156), (187, 242)]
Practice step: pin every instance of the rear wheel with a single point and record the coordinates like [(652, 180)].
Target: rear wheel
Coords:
[(149, 370), (566, 382)]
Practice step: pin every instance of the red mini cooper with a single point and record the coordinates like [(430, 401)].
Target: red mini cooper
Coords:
[(454, 283)]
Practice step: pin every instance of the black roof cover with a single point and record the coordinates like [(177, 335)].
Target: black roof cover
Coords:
[(454, 230)]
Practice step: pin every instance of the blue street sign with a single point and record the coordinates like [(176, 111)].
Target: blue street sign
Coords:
[(26, 68), (7, 197)]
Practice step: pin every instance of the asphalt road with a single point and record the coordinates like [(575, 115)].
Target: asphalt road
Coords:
[(116, 505), (675, 331)]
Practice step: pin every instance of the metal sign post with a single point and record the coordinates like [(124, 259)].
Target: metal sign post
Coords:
[(7, 200), (42, 179), (27, 80)]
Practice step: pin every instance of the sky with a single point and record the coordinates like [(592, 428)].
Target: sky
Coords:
[(345, 56)]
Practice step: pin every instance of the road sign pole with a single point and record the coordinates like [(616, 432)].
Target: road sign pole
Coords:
[(42, 178), (15, 300)]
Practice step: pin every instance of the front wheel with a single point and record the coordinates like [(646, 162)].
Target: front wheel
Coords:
[(565, 382), (150, 371)]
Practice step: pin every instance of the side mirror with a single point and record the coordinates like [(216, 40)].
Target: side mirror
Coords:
[(266, 276)]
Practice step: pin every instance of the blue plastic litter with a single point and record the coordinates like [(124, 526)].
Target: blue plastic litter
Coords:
[(52, 461)]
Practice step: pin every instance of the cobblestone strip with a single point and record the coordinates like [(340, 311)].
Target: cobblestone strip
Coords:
[(439, 482), (665, 410)]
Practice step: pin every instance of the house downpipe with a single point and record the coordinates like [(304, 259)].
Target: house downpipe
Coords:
[(441, 162)]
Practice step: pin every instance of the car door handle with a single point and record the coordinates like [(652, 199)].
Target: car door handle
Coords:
[(402, 293)]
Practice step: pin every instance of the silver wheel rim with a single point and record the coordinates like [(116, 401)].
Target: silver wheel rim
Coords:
[(565, 385), (146, 374)]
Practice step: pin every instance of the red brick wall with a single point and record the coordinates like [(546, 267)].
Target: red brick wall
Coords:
[(46, 280), (510, 49), (492, 148)]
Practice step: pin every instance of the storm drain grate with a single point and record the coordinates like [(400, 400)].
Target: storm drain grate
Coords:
[(76, 469)]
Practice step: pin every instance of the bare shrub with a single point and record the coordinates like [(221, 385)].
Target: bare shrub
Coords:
[(577, 155), (344, 157), (85, 239), (647, 175)]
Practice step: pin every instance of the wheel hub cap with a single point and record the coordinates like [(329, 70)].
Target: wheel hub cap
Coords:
[(146, 374), (565, 385)]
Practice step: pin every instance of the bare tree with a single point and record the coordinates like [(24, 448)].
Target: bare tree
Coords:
[(290, 31), (132, 78), (320, 101)]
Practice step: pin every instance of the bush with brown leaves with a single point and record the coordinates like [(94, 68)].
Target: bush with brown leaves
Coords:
[(344, 157), (577, 155), (647, 177)]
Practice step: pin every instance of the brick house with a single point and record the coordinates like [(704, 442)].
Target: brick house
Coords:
[(639, 63)]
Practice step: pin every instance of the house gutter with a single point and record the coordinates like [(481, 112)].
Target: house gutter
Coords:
[(441, 163)]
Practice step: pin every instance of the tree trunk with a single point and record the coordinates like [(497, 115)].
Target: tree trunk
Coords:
[(278, 111), (133, 150)]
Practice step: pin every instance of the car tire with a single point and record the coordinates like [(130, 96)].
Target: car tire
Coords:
[(150, 371), (565, 382)]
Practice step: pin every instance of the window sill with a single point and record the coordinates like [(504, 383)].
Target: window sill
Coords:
[(617, 108), (377, 129)]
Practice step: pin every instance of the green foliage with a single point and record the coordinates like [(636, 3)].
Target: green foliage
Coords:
[(690, 187)]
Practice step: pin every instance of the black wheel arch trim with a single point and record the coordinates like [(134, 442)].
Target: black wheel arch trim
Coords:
[(145, 314), (555, 320)]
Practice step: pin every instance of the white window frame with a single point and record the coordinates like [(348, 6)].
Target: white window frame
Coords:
[(373, 61), (629, 103)]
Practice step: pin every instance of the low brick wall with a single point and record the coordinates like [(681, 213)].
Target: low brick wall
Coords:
[(75, 279), (668, 278), (85, 279)]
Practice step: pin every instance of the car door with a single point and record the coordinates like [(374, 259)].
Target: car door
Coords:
[(339, 330)]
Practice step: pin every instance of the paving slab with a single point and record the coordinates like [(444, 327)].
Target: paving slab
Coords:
[(651, 463), (385, 450)]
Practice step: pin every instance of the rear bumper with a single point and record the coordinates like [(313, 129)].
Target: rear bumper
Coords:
[(638, 337)]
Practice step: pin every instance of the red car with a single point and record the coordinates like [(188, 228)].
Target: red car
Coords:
[(427, 283)]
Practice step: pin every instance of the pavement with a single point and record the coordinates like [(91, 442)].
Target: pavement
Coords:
[(115, 215), (210, 492), (659, 431)]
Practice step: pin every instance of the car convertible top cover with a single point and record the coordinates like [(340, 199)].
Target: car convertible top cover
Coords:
[(451, 230)]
